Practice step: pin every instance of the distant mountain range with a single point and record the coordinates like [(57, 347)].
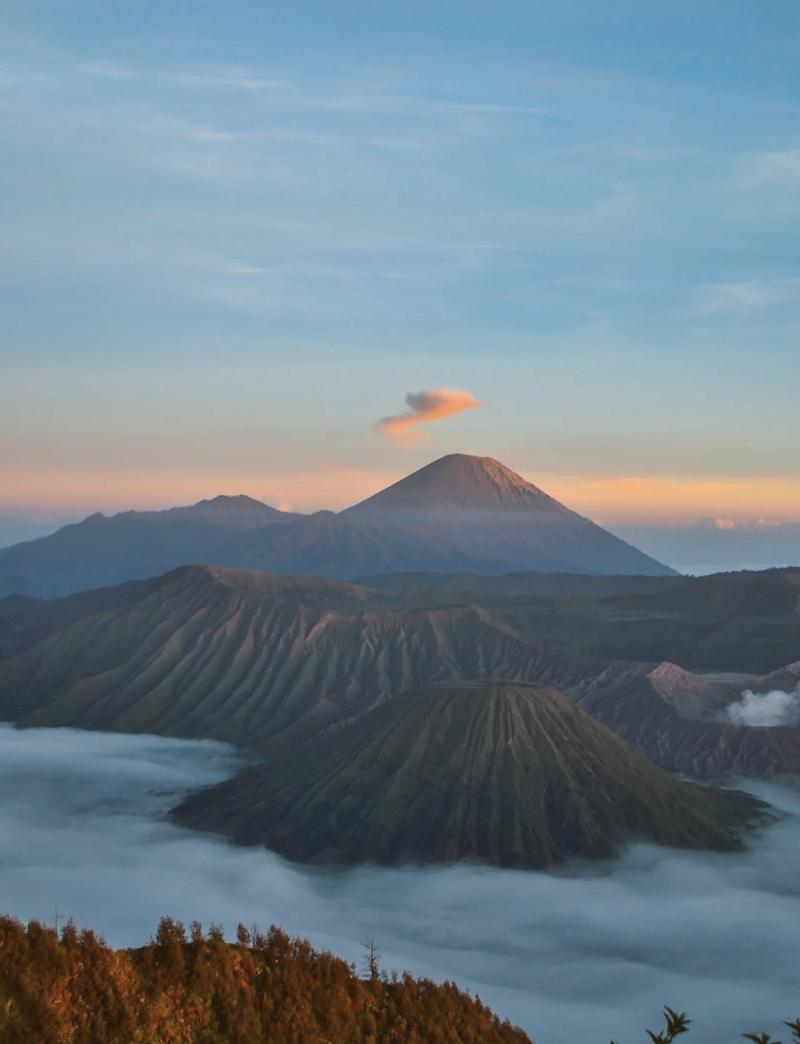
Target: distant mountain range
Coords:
[(505, 773), (458, 514), (716, 544)]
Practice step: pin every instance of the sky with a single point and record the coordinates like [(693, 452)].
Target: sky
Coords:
[(589, 952), (235, 237)]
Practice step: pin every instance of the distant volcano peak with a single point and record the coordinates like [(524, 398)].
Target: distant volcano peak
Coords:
[(461, 481), (486, 512)]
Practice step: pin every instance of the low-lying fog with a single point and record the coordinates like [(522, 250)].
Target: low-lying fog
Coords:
[(582, 955)]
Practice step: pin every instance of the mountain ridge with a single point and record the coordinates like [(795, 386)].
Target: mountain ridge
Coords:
[(268, 662)]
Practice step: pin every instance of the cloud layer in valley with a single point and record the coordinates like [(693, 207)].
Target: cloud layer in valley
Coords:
[(765, 709), (424, 407), (586, 953)]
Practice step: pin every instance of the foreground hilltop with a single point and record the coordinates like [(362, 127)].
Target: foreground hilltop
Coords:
[(504, 773), (458, 514), (195, 990)]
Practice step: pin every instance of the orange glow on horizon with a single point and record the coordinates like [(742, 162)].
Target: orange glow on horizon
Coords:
[(677, 499), (332, 488), (607, 499)]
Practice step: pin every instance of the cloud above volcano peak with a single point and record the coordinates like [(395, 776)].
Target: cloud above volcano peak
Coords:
[(425, 406)]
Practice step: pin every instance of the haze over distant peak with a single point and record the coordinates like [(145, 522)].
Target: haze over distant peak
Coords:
[(238, 510), (718, 544)]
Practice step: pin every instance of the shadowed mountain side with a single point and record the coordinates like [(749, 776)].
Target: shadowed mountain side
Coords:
[(502, 773), (747, 622), (326, 544), (102, 551), (474, 586), (741, 594), (485, 511), (785, 678)]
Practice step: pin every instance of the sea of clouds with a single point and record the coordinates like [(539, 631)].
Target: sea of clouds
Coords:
[(585, 954)]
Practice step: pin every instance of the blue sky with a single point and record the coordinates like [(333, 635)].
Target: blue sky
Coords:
[(233, 236)]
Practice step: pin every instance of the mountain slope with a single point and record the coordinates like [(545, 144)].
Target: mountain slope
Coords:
[(626, 699), (738, 594), (476, 586), (460, 481), (245, 657), (270, 661), (486, 511), (327, 544), (503, 773)]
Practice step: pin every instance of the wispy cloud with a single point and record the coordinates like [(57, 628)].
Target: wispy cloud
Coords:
[(233, 79), (423, 408), (746, 296), (378, 97), (780, 167)]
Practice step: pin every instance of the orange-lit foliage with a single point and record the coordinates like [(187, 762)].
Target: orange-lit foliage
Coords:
[(73, 989)]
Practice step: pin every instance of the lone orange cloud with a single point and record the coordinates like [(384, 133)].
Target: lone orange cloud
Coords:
[(423, 407)]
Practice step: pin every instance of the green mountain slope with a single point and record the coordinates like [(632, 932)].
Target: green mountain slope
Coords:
[(246, 657), (503, 773)]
